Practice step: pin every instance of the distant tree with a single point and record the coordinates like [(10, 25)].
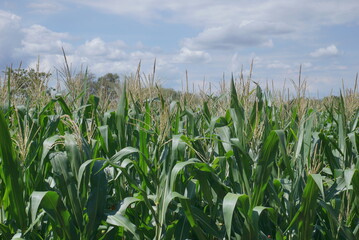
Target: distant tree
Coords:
[(171, 94), (106, 84)]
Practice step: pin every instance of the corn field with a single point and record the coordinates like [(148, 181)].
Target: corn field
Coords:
[(233, 166)]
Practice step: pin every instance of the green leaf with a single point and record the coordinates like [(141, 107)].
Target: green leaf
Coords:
[(50, 201), (66, 110), (121, 118), (126, 203), (264, 168), (229, 204), (13, 199), (116, 159), (96, 202), (306, 215), (61, 167), (121, 221)]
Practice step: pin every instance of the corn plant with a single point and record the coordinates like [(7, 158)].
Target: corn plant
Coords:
[(155, 169)]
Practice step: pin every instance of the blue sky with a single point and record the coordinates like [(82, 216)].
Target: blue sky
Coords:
[(208, 38)]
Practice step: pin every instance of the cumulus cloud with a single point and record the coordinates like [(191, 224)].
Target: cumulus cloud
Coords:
[(100, 56), (190, 56), (329, 51), (10, 32), (27, 44), (233, 36), (116, 56), (7, 19), (38, 40), (209, 13), (99, 48), (236, 24)]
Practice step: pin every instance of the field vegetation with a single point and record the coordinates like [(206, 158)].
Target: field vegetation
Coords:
[(124, 158)]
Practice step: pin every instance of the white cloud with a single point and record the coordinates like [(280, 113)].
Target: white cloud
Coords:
[(242, 63), (139, 45), (316, 85), (10, 32), (98, 48), (39, 40), (307, 65), (102, 56), (190, 56), (94, 47), (7, 19), (104, 67), (234, 24), (141, 55), (19, 44), (234, 36), (208, 13), (329, 51), (278, 65), (46, 6), (48, 62)]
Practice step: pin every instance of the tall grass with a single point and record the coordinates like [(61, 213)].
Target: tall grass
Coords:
[(242, 164)]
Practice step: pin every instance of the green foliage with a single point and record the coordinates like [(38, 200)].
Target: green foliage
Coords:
[(107, 83), (154, 169)]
